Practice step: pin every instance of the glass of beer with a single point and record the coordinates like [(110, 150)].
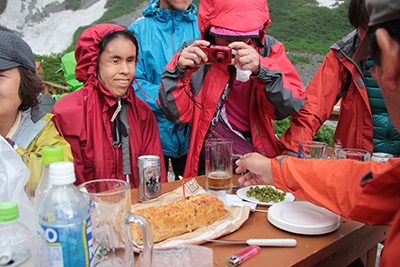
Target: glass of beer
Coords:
[(219, 164)]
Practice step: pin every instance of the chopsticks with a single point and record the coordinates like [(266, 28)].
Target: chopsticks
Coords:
[(266, 211)]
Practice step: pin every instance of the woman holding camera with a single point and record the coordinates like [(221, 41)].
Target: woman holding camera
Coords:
[(197, 90)]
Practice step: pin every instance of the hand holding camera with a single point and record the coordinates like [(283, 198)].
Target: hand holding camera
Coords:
[(217, 54), (201, 52)]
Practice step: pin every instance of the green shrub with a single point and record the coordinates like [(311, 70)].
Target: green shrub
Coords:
[(50, 65), (324, 134), (73, 4), (280, 126), (117, 8), (3, 4), (301, 25), (295, 59)]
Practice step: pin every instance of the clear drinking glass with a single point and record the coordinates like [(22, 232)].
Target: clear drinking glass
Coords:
[(354, 154), (312, 150), (110, 205), (33, 160)]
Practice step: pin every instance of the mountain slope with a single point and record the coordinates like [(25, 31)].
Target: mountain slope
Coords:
[(48, 26)]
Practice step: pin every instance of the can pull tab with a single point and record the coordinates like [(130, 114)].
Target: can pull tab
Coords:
[(243, 255)]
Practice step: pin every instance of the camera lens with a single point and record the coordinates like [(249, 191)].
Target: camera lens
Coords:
[(220, 56)]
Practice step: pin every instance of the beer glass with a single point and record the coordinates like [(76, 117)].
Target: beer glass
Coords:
[(219, 164), (33, 160)]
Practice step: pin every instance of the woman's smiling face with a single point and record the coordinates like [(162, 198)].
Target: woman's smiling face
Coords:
[(117, 65)]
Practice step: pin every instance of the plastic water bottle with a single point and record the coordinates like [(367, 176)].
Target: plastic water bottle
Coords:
[(65, 218), (50, 155), (15, 238)]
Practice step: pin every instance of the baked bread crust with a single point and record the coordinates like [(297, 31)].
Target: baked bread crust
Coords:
[(180, 217)]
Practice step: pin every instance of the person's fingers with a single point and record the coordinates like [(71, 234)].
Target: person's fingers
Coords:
[(238, 45), (200, 43), (251, 182), (238, 170)]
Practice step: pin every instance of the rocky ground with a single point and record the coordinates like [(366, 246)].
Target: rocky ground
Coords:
[(307, 71)]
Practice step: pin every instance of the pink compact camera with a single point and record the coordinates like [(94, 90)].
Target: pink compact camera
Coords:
[(217, 54)]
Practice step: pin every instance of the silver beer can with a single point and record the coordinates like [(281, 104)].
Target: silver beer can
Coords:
[(19, 255), (149, 177)]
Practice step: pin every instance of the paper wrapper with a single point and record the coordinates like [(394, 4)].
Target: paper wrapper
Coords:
[(233, 219)]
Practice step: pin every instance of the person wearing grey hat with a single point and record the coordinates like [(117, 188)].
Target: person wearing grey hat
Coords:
[(22, 123), (362, 191)]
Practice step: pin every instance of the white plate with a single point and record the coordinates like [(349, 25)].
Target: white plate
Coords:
[(242, 194), (301, 217)]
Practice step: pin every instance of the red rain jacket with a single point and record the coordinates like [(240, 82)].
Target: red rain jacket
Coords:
[(337, 72), (276, 92), (354, 192), (83, 118)]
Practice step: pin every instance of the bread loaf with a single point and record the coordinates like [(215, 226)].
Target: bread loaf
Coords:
[(180, 217)]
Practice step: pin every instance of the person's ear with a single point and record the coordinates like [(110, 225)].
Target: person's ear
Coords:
[(390, 60)]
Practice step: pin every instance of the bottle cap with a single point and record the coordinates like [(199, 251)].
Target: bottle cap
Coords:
[(62, 173), (52, 154), (8, 211)]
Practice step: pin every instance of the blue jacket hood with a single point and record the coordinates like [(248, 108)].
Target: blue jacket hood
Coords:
[(154, 10)]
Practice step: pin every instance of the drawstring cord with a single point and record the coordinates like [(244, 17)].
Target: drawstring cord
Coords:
[(146, 95), (116, 112), (117, 125)]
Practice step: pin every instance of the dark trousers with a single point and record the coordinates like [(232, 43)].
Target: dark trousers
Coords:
[(178, 165)]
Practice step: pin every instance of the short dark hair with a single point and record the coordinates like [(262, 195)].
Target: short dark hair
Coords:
[(29, 88), (358, 13), (393, 28), (114, 34)]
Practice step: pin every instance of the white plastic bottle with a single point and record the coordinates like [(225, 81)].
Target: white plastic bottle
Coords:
[(16, 241), (50, 155), (65, 218)]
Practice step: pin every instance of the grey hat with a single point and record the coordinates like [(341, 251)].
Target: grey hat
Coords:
[(15, 52), (380, 11)]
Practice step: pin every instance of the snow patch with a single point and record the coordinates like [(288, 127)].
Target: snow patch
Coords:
[(330, 3), (54, 33)]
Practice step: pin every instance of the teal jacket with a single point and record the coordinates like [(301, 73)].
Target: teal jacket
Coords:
[(160, 34), (386, 138)]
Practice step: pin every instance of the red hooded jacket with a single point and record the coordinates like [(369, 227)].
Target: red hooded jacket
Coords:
[(83, 118), (276, 92), (337, 73)]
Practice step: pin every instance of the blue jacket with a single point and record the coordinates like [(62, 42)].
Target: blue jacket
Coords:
[(160, 34)]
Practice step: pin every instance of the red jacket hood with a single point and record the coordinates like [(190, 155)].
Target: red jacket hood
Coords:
[(237, 15), (86, 54)]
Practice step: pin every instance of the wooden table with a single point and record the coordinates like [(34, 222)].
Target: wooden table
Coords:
[(351, 241), (334, 115)]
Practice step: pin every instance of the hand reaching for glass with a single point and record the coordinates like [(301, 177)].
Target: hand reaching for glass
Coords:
[(259, 168)]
